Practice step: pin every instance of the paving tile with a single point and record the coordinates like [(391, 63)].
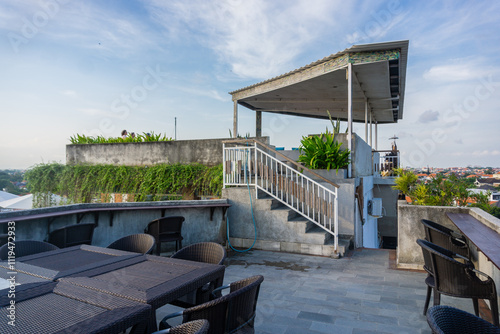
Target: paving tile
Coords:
[(358, 293), (322, 327), (318, 317)]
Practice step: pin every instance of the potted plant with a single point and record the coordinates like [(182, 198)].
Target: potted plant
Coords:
[(323, 152)]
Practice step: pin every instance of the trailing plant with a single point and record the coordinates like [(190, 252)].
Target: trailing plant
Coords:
[(140, 138), (95, 183), (323, 152)]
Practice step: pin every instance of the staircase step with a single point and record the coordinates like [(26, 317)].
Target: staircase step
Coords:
[(295, 247)]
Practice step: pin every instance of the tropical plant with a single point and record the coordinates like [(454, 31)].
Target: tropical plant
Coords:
[(144, 137), (323, 152), (94, 183), (439, 191), (335, 125)]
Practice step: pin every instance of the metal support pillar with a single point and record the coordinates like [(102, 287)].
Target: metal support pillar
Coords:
[(235, 119), (349, 116), (258, 124), (366, 120), (371, 142)]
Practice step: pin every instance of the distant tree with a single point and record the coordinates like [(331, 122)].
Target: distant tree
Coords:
[(488, 170)]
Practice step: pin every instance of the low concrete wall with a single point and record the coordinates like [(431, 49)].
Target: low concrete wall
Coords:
[(196, 228), (203, 151), (409, 254)]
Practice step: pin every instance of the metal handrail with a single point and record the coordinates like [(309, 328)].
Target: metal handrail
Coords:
[(250, 165), (284, 157)]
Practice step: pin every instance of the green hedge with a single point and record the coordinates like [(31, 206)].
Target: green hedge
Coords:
[(86, 183)]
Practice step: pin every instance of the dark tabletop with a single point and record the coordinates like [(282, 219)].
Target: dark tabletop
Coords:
[(68, 261), (64, 308), (483, 237)]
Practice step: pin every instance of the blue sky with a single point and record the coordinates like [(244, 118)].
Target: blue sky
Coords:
[(97, 67)]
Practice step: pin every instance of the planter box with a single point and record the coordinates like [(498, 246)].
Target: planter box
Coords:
[(331, 174)]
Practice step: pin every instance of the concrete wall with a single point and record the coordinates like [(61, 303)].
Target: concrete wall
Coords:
[(409, 253), (204, 151), (362, 164), (270, 228), (196, 228)]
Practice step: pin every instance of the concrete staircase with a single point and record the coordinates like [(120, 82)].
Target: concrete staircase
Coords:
[(290, 231)]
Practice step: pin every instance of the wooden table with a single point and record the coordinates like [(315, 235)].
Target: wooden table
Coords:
[(484, 238), (148, 279)]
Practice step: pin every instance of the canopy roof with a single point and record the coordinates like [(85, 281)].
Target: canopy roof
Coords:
[(379, 72)]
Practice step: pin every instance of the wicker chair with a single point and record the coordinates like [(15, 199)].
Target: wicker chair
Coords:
[(166, 229), (231, 313), (193, 327), (449, 320), (446, 238), (457, 279), (72, 235), (136, 243), (207, 252), (27, 247)]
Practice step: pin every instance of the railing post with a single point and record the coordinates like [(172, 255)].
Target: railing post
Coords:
[(224, 165), (256, 169), (336, 219)]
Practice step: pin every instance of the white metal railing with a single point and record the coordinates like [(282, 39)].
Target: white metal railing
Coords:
[(259, 167), (385, 165)]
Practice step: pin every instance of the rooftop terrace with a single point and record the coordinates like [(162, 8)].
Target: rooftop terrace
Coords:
[(360, 293)]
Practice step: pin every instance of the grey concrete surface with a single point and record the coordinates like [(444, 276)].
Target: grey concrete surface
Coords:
[(196, 228), (410, 228), (358, 293), (203, 151)]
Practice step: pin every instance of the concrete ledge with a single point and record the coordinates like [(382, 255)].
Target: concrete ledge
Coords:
[(289, 247)]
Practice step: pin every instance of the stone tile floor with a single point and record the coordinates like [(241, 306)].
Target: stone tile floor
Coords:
[(359, 293)]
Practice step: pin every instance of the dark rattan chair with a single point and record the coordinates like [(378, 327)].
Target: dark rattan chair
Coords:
[(231, 313), (136, 243), (27, 247), (207, 252), (458, 278), (446, 238), (166, 229), (449, 320), (193, 327), (72, 235)]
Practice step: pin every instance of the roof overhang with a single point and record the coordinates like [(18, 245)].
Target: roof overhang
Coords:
[(379, 73)]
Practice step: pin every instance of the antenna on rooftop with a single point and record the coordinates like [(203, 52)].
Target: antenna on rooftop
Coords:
[(175, 128), (394, 146)]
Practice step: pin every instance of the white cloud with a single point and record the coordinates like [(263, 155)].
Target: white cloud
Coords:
[(69, 93), (458, 70), (486, 153), (429, 116), (257, 38), (95, 112)]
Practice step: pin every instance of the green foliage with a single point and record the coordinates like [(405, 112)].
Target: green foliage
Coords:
[(94, 183), (335, 125), (323, 152), (141, 138), (439, 191), (7, 179), (406, 180)]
